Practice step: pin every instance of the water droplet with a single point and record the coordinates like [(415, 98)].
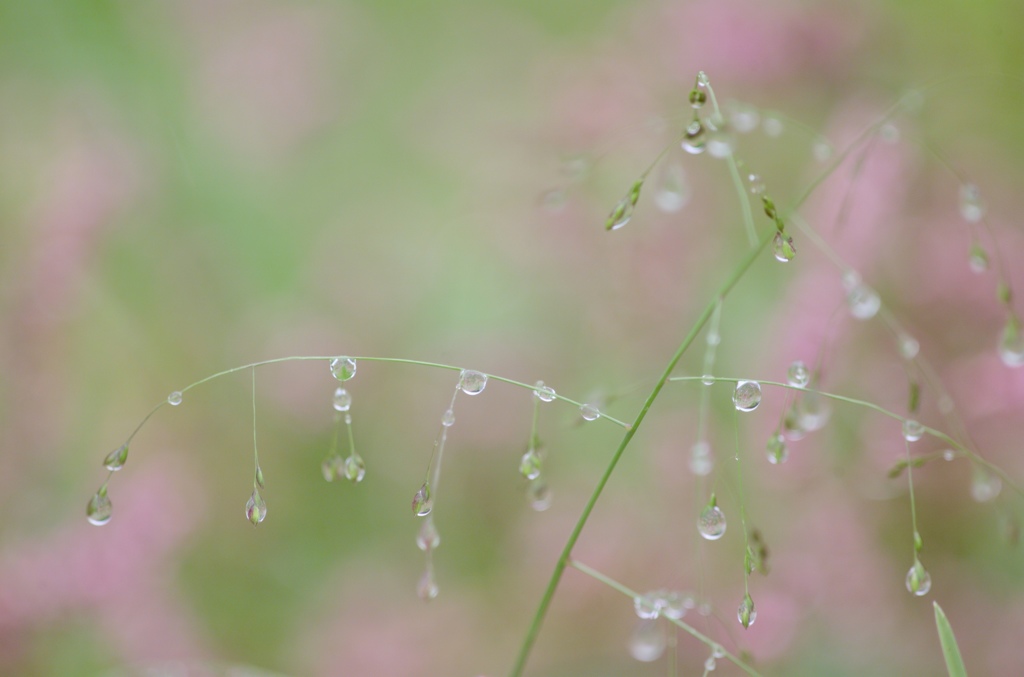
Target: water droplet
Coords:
[(778, 452), (115, 460), (783, 247), (713, 338), (99, 509), (707, 379), (539, 495), (619, 215), (342, 400), (985, 486), (717, 651), (422, 501), (912, 430), (972, 207), (530, 464), (355, 468), (448, 418), (673, 604), (701, 462), (721, 143), (978, 260), (744, 118), (1011, 344), (710, 664), (428, 538), (673, 189), (919, 581), (174, 399), (889, 133), (589, 412), (812, 412), (772, 125), (698, 97), (255, 508), (647, 606), (863, 302), (747, 612), (543, 393), (332, 467), (755, 184), (426, 589), (949, 454), (909, 347), (711, 522), (798, 375), (695, 138), (648, 641), (918, 542), (472, 382), (259, 478), (822, 150), (343, 368), (747, 395)]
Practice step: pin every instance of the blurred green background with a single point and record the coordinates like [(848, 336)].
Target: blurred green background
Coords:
[(189, 186)]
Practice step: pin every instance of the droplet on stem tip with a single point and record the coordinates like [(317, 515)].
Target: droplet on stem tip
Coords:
[(343, 368)]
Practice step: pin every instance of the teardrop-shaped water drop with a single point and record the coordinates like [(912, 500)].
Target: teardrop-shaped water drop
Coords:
[(912, 430), (589, 412), (707, 379), (972, 207), (542, 392), (343, 368), (783, 247), (747, 395), (672, 604), (822, 150), (448, 418), (778, 452), (909, 347), (721, 143), (710, 663), (426, 589), (647, 606), (332, 467), (620, 214), (978, 260), (648, 641), (1011, 343), (812, 412), (673, 189), (428, 538), (472, 382), (115, 460), (798, 375), (355, 468), (342, 400), (99, 509), (985, 485), (255, 508), (919, 581), (174, 399), (711, 522), (422, 502), (747, 612), (698, 97), (539, 495), (695, 138), (701, 462), (530, 464), (755, 184), (863, 302)]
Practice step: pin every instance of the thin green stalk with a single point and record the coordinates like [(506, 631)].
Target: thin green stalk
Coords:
[(737, 180), (563, 560)]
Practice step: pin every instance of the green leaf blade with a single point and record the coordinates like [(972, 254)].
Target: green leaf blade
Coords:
[(950, 650)]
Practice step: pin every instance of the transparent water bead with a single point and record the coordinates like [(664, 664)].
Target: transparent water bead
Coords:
[(116, 459), (721, 143), (798, 375), (985, 486), (530, 464), (428, 538), (717, 651), (783, 248), (747, 612), (813, 412), (919, 581), (343, 368), (539, 495), (711, 522), (673, 191), (755, 184), (255, 508), (912, 430), (426, 589), (620, 214), (342, 400), (744, 118), (978, 260), (777, 450), (948, 455), (422, 502), (355, 468), (332, 466), (747, 395), (863, 302), (972, 207), (695, 138), (701, 462), (710, 664), (647, 606), (448, 418), (543, 393), (707, 379), (909, 347), (589, 412), (174, 399), (822, 150), (673, 604), (791, 427), (99, 508), (772, 125), (648, 641), (1011, 344), (472, 382)]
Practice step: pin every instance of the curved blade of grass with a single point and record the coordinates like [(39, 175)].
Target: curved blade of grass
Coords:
[(954, 663)]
